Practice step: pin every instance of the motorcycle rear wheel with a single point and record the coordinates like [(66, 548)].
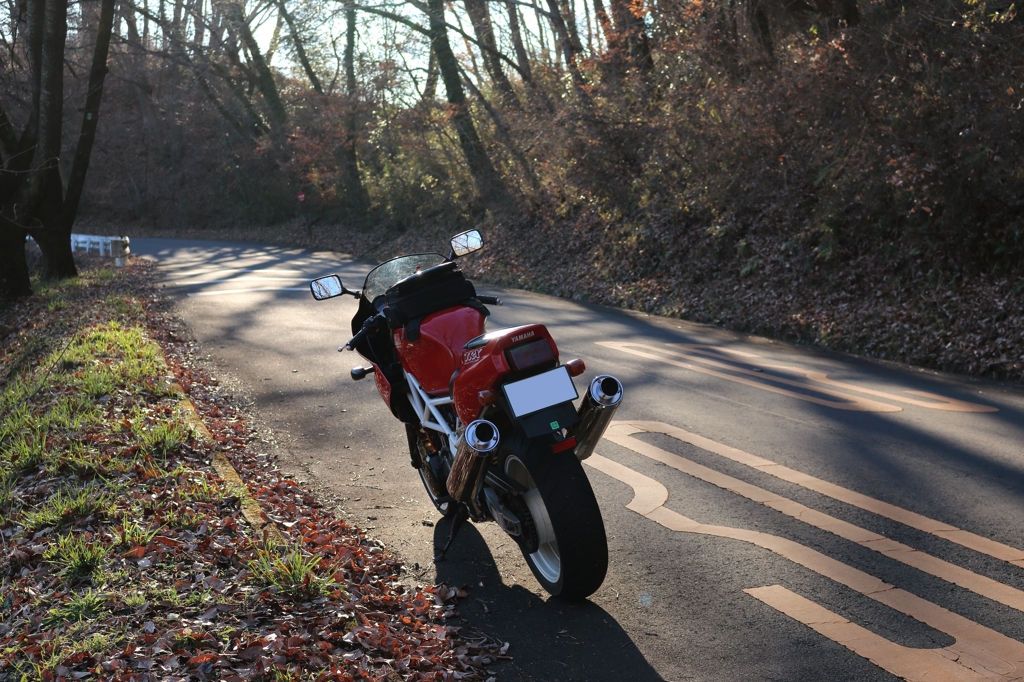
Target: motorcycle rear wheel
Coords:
[(571, 558)]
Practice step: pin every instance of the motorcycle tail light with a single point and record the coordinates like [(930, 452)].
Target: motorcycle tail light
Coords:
[(530, 354)]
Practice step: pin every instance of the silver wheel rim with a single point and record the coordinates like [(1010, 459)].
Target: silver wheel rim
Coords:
[(546, 559)]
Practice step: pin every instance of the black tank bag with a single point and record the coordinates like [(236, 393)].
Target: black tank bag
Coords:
[(433, 290)]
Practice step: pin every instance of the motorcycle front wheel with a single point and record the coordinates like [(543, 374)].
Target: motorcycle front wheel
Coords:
[(568, 552)]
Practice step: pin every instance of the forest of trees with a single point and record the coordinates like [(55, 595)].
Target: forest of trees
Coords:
[(646, 129)]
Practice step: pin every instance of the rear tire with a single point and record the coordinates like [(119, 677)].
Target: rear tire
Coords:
[(571, 558)]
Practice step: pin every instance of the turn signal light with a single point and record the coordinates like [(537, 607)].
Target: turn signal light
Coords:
[(487, 398), (576, 367)]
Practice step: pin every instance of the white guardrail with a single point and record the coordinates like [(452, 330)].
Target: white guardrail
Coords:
[(111, 246)]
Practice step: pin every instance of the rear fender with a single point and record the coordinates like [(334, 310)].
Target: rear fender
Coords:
[(485, 367)]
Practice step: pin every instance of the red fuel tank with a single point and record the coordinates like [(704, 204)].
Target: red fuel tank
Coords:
[(483, 363), (435, 355)]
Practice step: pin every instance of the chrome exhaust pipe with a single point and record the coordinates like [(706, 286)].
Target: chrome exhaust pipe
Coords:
[(596, 411), (478, 442)]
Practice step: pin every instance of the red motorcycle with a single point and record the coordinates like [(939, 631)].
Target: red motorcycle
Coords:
[(492, 427)]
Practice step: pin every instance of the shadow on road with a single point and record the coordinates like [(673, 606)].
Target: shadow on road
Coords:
[(554, 641)]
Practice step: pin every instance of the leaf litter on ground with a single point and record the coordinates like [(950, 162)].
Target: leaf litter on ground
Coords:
[(125, 556)]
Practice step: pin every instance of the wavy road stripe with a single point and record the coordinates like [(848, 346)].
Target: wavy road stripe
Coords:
[(844, 402), (619, 431), (812, 382), (979, 653), (933, 402)]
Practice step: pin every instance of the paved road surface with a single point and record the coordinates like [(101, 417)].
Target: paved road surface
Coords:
[(773, 513)]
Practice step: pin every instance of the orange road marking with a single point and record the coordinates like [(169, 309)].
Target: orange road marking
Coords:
[(979, 653), (996, 550), (716, 357), (979, 584), (935, 401), (846, 402), (917, 665)]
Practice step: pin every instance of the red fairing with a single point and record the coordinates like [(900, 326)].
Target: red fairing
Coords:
[(482, 367), (382, 385), (435, 355)]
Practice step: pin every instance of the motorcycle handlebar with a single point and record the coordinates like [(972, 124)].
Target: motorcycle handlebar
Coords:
[(371, 324), (489, 300)]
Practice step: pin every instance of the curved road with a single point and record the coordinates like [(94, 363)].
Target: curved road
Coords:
[(773, 513)]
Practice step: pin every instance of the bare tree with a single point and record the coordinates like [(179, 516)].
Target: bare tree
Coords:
[(480, 17), (34, 198), (480, 166)]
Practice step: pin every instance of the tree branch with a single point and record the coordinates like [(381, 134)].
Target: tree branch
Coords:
[(419, 29)]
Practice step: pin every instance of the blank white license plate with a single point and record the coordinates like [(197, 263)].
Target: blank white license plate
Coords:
[(544, 390)]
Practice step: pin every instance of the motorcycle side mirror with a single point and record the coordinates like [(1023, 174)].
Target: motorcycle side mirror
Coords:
[(466, 242), (327, 287)]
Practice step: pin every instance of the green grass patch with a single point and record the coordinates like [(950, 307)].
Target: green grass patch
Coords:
[(116, 533), (161, 438), (65, 507), (201, 490), (25, 452), (85, 606), (291, 572), (132, 534), (75, 556)]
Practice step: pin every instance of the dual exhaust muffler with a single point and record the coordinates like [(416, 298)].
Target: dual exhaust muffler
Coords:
[(480, 439), (604, 395), (467, 474)]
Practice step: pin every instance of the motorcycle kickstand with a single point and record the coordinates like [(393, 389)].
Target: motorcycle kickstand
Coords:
[(460, 518)]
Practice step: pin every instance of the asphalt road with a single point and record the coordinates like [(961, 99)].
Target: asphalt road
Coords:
[(773, 513)]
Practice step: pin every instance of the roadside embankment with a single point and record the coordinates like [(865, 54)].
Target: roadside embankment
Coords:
[(144, 536)]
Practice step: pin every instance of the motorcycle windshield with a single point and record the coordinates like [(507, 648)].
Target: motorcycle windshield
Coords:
[(382, 277)]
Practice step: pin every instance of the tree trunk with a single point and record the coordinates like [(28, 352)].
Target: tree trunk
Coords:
[(200, 24), (486, 178), (504, 135), (264, 78), (762, 28), (590, 28), (14, 278), (355, 192), (54, 242), (45, 197), (8, 138), (631, 41), (565, 43), (83, 151), (481, 20), (430, 86), (46, 158), (605, 23), (544, 54), (300, 49), (569, 17), (35, 15), (517, 40)]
